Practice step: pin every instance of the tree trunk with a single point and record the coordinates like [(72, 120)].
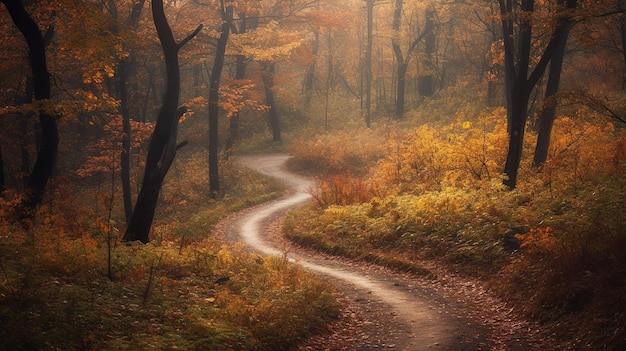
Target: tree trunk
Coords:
[(401, 91), (240, 73), (233, 127), (216, 73), (162, 149), (2, 178), (369, 4), (622, 5), (329, 77), (401, 65), (546, 119), (425, 81), (309, 77), (123, 71), (518, 82), (47, 154), (126, 134), (268, 83)]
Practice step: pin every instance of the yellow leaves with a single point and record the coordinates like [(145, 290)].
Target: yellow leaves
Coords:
[(267, 44)]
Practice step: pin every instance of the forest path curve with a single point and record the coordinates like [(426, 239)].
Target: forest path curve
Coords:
[(399, 312)]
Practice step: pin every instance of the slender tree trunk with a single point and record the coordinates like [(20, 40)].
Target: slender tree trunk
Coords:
[(47, 154), (401, 65), (268, 83), (622, 5), (425, 80), (126, 135), (329, 78), (369, 4), (309, 77), (123, 71), (519, 82), (218, 65), (240, 73), (546, 119), (233, 127), (162, 149)]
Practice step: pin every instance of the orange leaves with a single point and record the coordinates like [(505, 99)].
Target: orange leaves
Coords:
[(239, 94), (540, 241), (342, 190), (104, 153)]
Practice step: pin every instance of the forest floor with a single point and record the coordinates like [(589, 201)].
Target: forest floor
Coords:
[(383, 309)]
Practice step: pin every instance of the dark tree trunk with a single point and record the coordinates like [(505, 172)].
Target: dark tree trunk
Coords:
[(519, 83), (2, 178), (268, 83), (622, 5), (126, 134), (123, 72), (47, 154), (425, 81), (546, 119), (216, 73), (162, 149)]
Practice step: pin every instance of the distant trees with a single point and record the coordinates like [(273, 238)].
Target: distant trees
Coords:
[(402, 60)]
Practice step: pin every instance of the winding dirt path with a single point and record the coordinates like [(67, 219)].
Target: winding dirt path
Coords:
[(399, 311)]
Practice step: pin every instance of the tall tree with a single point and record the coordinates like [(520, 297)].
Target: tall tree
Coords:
[(124, 67), (548, 112), (162, 149), (214, 85), (47, 154), (517, 25)]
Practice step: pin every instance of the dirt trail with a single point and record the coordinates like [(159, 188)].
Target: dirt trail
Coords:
[(399, 312)]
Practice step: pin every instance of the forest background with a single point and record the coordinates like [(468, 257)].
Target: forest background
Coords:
[(484, 135)]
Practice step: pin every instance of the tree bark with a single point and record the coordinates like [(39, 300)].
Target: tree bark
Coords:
[(216, 73), (2, 178), (519, 83), (48, 150), (425, 81), (546, 119), (123, 71), (268, 83), (162, 149), (622, 6)]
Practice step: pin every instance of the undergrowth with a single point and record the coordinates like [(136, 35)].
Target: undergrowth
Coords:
[(553, 247), (67, 283)]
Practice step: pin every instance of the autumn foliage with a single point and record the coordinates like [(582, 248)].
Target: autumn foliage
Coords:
[(550, 247)]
